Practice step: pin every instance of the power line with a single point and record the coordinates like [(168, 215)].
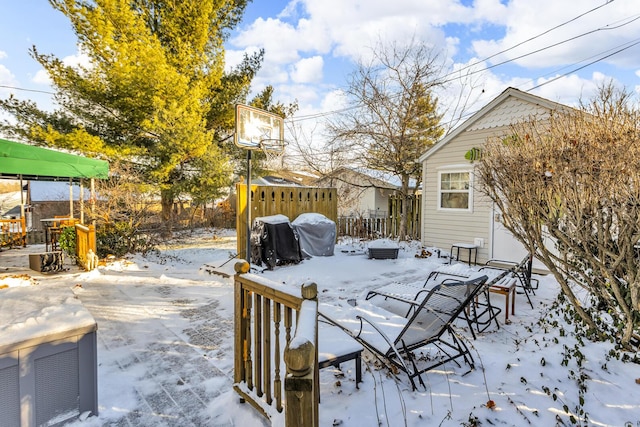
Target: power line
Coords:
[(605, 28), (636, 42), (27, 90), (536, 36), (331, 112)]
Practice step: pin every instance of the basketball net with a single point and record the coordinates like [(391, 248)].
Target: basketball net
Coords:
[(273, 150)]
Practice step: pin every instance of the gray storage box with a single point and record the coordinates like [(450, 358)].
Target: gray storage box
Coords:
[(48, 357), (383, 253)]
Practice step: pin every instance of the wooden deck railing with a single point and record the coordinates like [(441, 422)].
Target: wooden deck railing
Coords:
[(86, 246), (265, 351), (13, 232)]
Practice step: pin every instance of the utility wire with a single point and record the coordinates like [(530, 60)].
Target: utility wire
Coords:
[(27, 90), (605, 28), (621, 47), (536, 36), (327, 113), (637, 41)]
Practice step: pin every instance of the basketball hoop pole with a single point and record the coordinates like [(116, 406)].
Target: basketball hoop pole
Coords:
[(248, 207), (254, 124)]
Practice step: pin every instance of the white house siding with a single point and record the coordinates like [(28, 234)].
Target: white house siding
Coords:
[(371, 199), (442, 228)]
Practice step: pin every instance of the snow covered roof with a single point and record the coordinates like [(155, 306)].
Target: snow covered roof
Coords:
[(50, 191)]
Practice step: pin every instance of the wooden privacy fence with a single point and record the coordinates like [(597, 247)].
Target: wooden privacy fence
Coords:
[(86, 246), (265, 351), (387, 226), (397, 205), (288, 201), (13, 232)]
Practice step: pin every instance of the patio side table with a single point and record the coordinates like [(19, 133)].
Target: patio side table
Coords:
[(509, 292), (470, 247)]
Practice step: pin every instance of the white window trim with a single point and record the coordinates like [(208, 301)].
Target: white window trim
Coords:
[(470, 191)]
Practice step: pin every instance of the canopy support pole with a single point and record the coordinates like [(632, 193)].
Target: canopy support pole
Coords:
[(70, 197), (248, 207), (92, 201), (81, 201)]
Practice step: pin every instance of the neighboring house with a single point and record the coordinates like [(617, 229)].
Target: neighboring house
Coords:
[(359, 193), (452, 211)]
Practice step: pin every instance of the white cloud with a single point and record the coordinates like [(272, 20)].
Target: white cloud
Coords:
[(308, 70), (312, 45), (6, 77), (569, 90), (79, 59), (41, 77), (587, 37)]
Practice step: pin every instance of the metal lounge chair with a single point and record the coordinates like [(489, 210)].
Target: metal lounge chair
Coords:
[(481, 314), (395, 339)]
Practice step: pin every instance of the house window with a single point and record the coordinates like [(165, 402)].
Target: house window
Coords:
[(455, 190)]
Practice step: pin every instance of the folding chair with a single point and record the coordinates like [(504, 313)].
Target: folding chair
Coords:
[(395, 339)]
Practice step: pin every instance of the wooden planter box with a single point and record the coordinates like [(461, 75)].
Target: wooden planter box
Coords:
[(383, 253)]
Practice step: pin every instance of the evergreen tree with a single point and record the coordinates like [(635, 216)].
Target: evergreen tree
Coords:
[(154, 92)]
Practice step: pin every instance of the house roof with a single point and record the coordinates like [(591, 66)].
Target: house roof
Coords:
[(47, 191), (274, 180), (15, 211), (510, 92), (296, 176), (37, 163), (10, 200), (367, 176)]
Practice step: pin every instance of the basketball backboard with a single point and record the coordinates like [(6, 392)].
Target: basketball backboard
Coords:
[(256, 128)]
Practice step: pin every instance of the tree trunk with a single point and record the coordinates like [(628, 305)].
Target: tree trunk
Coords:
[(166, 201), (402, 229)]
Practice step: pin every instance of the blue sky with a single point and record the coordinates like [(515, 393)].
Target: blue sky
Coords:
[(312, 45)]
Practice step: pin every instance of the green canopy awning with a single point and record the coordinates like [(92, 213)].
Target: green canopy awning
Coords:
[(33, 163)]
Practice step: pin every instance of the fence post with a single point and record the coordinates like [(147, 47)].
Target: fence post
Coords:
[(300, 356)]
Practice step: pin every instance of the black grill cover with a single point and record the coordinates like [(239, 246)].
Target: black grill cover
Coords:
[(274, 242)]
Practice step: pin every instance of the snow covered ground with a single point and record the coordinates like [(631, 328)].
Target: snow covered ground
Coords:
[(165, 347)]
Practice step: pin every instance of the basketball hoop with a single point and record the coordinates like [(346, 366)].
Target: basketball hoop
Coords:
[(273, 150), (257, 129)]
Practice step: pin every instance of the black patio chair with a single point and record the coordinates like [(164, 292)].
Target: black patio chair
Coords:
[(481, 314), (395, 339)]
